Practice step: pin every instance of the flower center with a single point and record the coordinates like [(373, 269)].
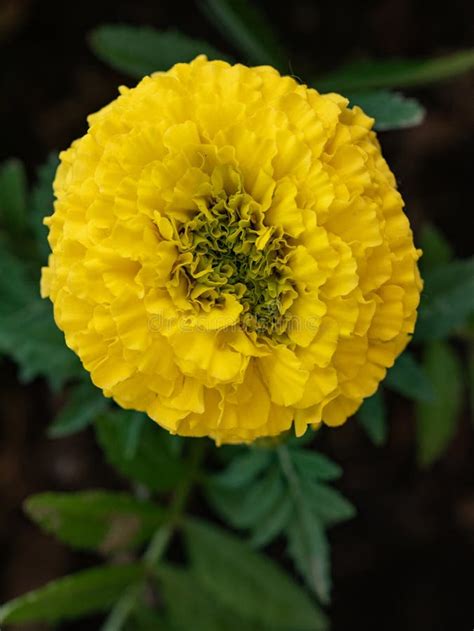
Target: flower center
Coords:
[(226, 248)]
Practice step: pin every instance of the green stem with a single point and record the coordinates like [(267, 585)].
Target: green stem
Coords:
[(160, 540), (291, 475)]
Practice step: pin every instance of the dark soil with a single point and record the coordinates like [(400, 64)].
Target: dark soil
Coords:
[(406, 562)]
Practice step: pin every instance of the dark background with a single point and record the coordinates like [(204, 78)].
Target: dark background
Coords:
[(407, 561)]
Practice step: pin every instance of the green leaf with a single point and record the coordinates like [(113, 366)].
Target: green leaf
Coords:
[(436, 248), (447, 300), (42, 352), (408, 378), (13, 195), (273, 523), (328, 504), (437, 421), (373, 418), (85, 403), (91, 591), (95, 520), (201, 611), (395, 73), (241, 579), (133, 434), (153, 463), (315, 505), (243, 469), (391, 110), (139, 51), (309, 549), (243, 509), (315, 466), (16, 288), (42, 201), (248, 29)]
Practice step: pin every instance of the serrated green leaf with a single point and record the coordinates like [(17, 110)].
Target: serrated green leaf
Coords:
[(391, 110), (85, 403), (407, 377), (437, 421), (248, 29), (245, 581), (447, 300), (273, 523), (95, 520), (436, 248), (153, 463), (13, 195), (201, 612), (17, 289), (139, 51), (328, 504), (243, 469), (315, 466), (133, 434), (42, 351), (395, 73), (91, 591), (309, 548), (373, 418), (42, 201), (244, 508), (315, 505)]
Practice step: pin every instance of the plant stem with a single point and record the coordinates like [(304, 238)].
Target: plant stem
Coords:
[(163, 535), (290, 474), (160, 540)]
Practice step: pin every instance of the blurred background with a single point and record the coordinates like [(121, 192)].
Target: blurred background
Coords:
[(406, 561)]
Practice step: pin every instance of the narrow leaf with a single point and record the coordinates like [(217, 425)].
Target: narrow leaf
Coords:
[(395, 73), (190, 606), (391, 110), (310, 551), (273, 523), (373, 418), (437, 421), (328, 504), (436, 248), (447, 300), (242, 22), (95, 520), (85, 403), (42, 352), (139, 51), (243, 469), (316, 466), (408, 378), (42, 202), (152, 464), (13, 195), (91, 591), (241, 579), (243, 509)]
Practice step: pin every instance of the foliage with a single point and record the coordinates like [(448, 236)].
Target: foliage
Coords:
[(273, 493), (284, 492)]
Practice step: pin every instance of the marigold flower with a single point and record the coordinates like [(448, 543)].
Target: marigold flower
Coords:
[(230, 253)]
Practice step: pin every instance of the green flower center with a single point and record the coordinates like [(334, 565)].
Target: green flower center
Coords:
[(226, 248)]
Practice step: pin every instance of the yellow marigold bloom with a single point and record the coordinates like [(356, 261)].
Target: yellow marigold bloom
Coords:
[(230, 253)]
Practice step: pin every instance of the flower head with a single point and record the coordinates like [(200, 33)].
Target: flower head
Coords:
[(230, 253)]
